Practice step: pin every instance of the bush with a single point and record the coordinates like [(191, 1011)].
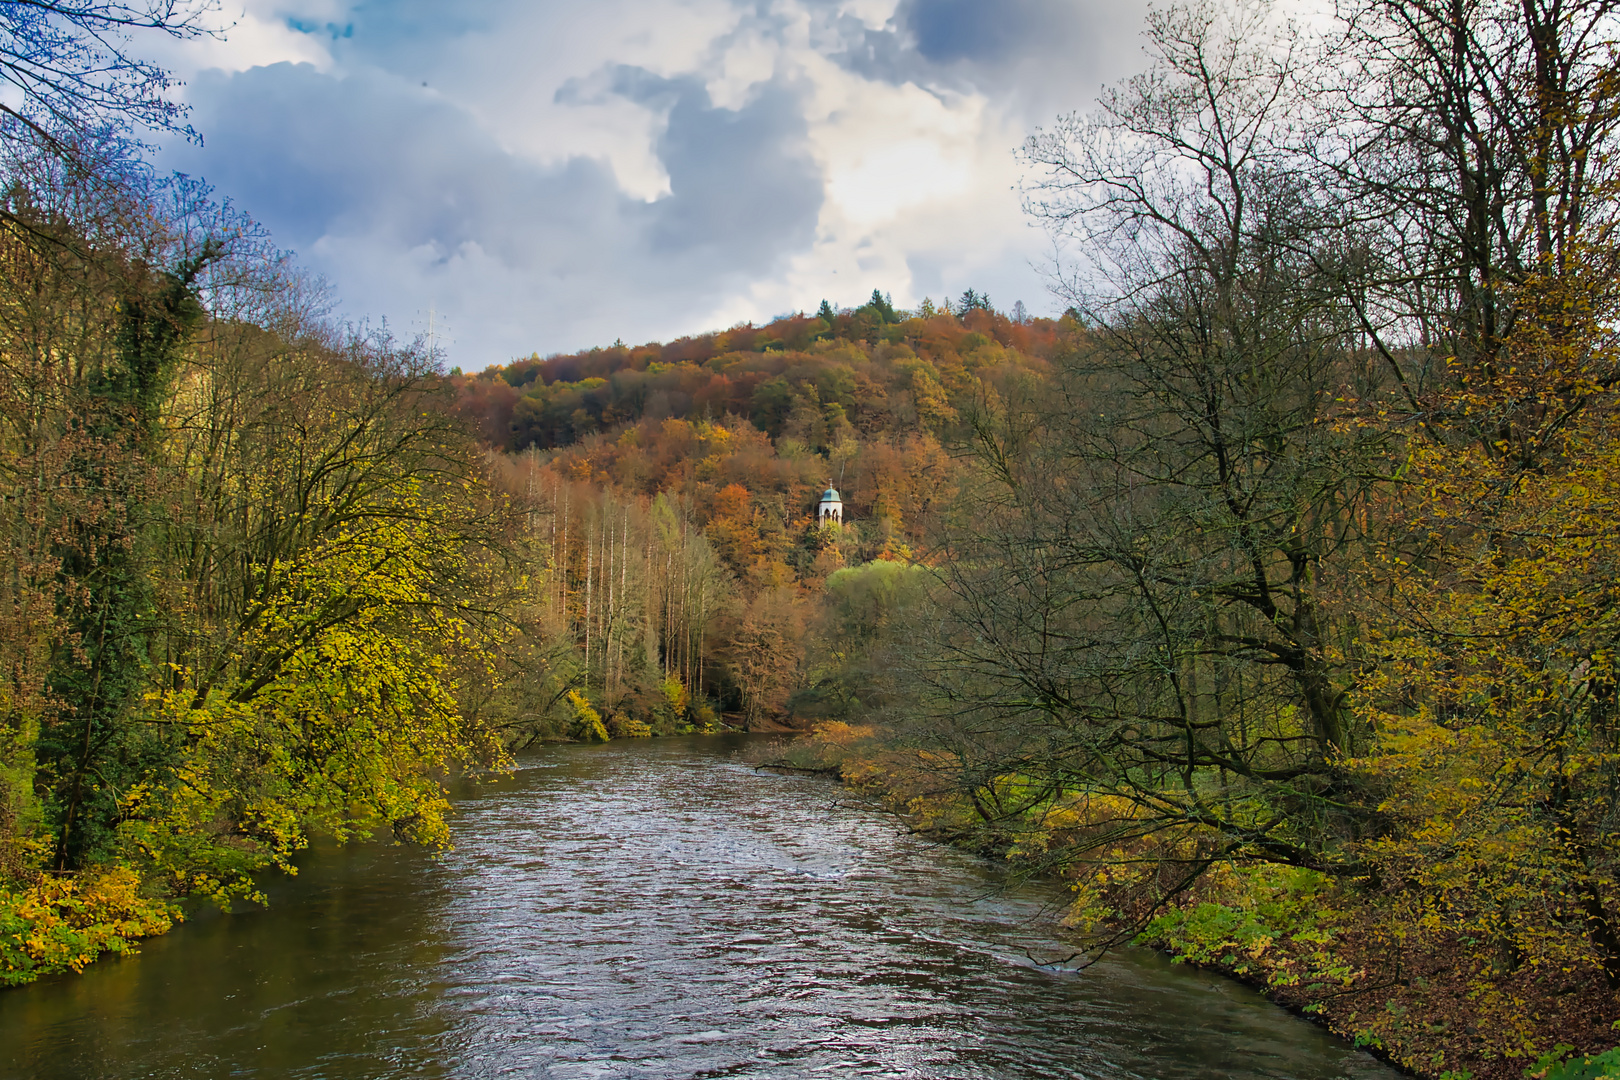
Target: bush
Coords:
[(62, 924)]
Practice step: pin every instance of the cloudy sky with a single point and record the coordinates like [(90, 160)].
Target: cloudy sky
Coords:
[(547, 175)]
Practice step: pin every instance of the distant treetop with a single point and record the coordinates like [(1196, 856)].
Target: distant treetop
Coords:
[(972, 301), (818, 380)]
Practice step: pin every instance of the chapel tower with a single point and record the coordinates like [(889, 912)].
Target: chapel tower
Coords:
[(831, 510)]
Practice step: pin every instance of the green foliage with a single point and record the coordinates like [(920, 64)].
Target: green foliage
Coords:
[(881, 306), (1555, 1066), (864, 615), (972, 301), (867, 604), (1277, 923), (772, 402)]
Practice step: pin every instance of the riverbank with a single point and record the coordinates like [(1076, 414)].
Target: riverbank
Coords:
[(1333, 955), (56, 923), (1373, 965)]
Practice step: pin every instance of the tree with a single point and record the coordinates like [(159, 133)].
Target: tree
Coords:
[(764, 647), (110, 612), (213, 492), (1313, 562), (1486, 133), (1144, 575), (1497, 712), (972, 301), (71, 64), (881, 305), (99, 307), (856, 649), (1475, 145)]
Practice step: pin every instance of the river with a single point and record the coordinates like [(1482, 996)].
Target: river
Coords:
[(649, 909)]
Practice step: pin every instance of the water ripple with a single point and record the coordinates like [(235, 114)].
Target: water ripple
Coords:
[(650, 911)]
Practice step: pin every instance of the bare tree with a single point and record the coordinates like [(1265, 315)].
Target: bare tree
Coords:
[(1473, 143), (73, 68), (1144, 577)]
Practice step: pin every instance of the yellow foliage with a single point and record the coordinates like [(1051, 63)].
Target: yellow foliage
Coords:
[(839, 733), (628, 727), (1497, 734), (588, 719), (674, 692), (343, 726), (63, 923)]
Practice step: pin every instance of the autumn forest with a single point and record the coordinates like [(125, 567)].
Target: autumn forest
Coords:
[(1266, 598)]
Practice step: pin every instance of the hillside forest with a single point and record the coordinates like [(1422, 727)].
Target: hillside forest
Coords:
[(1267, 597)]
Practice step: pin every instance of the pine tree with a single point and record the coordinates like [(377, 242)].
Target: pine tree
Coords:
[(880, 304), (971, 300)]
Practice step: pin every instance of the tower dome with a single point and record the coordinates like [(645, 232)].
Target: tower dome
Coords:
[(831, 509)]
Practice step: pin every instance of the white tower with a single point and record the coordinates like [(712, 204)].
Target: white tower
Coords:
[(831, 510)]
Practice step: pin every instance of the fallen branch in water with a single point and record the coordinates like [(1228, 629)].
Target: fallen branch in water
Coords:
[(1058, 965), (778, 766)]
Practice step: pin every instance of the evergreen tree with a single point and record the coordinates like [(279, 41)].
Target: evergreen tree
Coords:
[(881, 305)]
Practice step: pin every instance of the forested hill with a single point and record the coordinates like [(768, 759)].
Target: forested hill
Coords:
[(870, 371), (744, 428), (671, 493)]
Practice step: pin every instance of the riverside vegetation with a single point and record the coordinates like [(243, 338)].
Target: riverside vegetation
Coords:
[(1278, 615), (1268, 597)]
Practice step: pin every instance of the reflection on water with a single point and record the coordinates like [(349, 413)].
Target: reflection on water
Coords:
[(648, 910)]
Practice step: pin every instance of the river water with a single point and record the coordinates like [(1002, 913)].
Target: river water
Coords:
[(649, 909)]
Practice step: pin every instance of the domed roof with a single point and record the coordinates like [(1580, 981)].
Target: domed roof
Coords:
[(831, 495)]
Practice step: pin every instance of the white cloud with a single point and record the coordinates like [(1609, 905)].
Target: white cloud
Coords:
[(574, 173), (256, 36), (889, 148)]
